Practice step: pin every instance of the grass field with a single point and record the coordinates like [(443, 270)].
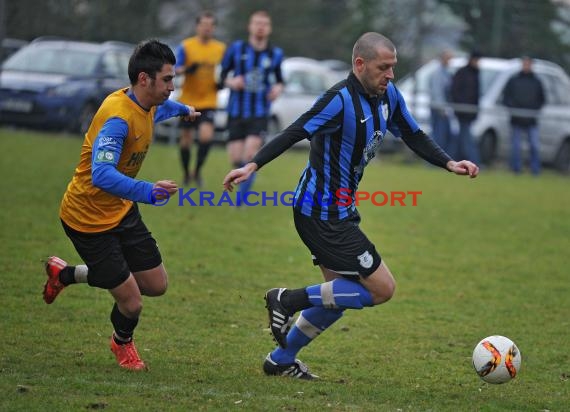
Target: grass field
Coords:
[(472, 259)]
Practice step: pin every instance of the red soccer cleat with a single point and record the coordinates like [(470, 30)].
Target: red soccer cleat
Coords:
[(127, 356), (53, 286)]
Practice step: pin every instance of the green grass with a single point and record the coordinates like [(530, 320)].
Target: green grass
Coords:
[(474, 258)]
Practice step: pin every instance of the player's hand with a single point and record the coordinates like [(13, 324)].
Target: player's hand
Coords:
[(236, 83), (192, 68), (236, 176), (162, 187), (464, 167), (193, 114), (275, 91)]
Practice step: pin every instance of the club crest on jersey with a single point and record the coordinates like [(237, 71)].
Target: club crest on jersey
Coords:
[(366, 260), (372, 146)]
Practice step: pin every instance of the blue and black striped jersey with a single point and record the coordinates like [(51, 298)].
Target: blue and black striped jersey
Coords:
[(345, 127), (260, 68)]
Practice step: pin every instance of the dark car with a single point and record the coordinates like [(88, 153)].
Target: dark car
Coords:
[(59, 84)]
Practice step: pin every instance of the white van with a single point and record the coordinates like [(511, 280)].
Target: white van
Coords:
[(491, 129)]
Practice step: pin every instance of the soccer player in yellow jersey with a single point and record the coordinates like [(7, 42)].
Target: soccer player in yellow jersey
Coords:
[(99, 210), (196, 59)]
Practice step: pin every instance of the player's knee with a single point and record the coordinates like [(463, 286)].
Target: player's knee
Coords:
[(161, 288), (384, 293), (158, 288), (132, 308)]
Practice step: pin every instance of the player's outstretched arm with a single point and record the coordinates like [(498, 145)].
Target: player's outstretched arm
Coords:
[(464, 167)]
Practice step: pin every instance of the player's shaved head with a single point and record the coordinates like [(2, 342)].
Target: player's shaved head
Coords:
[(367, 45)]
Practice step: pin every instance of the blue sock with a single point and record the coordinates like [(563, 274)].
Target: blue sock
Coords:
[(310, 324), (246, 185), (243, 188), (339, 293)]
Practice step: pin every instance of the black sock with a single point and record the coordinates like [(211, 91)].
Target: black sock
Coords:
[(295, 299), (124, 327), (203, 149), (67, 275), (185, 157)]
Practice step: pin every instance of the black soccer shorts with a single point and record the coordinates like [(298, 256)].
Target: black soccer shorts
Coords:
[(112, 255), (339, 246), (239, 129)]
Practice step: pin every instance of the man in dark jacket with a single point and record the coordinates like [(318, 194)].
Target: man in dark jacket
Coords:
[(524, 95), (465, 98)]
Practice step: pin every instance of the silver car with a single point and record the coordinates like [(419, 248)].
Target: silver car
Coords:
[(491, 128)]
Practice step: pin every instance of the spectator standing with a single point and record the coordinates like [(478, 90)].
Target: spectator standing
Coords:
[(439, 91), (524, 94), (465, 92)]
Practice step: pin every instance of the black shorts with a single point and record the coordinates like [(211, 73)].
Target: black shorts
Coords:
[(239, 129), (112, 255), (339, 246), (206, 116)]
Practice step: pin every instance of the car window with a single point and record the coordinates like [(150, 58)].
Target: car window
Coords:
[(486, 78), (303, 82), (555, 89), (52, 60), (115, 63)]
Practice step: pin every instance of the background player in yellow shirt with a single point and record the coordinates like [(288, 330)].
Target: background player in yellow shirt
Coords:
[(99, 210), (197, 58)]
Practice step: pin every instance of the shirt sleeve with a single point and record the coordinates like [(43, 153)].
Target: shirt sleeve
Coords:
[(321, 118), (404, 125), (107, 151), (278, 71), (180, 57), (227, 64), (170, 108)]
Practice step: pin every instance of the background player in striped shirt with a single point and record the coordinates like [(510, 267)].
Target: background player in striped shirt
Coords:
[(255, 82)]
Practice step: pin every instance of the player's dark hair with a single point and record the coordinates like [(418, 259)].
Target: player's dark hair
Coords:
[(148, 57), (206, 15)]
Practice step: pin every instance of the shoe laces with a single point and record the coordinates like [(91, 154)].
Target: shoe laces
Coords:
[(131, 352)]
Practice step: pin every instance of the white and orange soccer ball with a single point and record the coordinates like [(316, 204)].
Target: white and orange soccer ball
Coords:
[(496, 359)]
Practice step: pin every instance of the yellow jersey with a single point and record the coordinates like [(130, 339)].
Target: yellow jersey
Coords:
[(87, 208), (200, 88)]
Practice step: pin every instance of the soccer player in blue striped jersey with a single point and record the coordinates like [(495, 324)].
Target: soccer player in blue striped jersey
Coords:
[(345, 127), (255, 82)]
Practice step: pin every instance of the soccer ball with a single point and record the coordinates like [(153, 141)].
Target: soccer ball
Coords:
[(496, 359)]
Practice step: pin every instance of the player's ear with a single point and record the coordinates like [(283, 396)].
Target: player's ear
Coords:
[(359, 64), (143, 78)]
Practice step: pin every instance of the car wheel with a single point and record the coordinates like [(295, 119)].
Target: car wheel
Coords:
[(85, 118), (562, 160), (488, 147)]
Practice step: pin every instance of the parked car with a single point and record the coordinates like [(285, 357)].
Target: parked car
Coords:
[(59, 84), (491, 128), (305, 80), (10, 46)]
